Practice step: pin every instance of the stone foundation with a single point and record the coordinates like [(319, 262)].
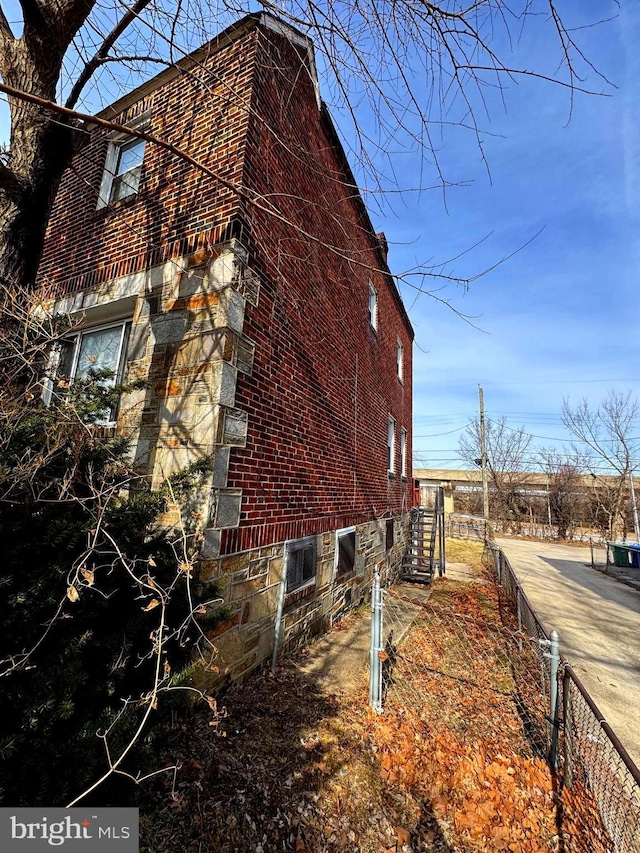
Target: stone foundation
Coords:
[(251, 584)]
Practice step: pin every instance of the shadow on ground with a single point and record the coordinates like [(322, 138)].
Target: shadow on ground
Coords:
[(291, 767), (243, 786), (290, 770)]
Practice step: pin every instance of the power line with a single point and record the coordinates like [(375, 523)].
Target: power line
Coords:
[(556, 381), (438, 434)]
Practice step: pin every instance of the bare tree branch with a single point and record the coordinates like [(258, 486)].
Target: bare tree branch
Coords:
[(262, 203), (102, 52), (6, 33), (506, 462)]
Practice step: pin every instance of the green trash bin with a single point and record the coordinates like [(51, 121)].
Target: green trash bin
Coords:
[(620, 555)]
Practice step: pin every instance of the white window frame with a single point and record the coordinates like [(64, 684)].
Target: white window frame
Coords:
[(344, 531), (74, 340), (292, 548), (391, 445), (51, 372), (373, 306), (117, 141), (400, 359), (403, 452)]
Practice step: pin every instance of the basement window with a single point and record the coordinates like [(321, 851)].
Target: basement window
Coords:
[(345, 551), (390, 538), (300, 561)]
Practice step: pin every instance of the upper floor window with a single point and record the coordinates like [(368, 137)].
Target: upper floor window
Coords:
[(122, 168), (373, 306), (400, 359), (403, 452), (391, 445)]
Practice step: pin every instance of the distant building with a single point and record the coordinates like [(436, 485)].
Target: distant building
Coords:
[(463, 487), (256, 301)]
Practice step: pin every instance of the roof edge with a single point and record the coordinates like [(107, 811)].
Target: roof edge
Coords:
[(218, 42), (332, 133)]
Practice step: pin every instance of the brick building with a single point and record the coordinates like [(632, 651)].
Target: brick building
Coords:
[(252, 293)]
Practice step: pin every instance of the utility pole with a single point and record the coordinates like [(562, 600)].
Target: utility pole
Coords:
[(483, 460)]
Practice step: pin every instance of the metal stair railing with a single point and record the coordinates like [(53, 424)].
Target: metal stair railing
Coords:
[(425, 537)]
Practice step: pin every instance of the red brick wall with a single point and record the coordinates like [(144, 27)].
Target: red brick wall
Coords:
[(178, 208), (324, 383)]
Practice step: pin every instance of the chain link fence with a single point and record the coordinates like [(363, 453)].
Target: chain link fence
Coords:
[(473, 666), (598, 770), (461, 526), (601, 782), (460, 699)]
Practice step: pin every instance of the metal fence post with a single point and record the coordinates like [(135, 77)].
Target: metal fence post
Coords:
[(568, 730), (375, 664), (554, 657), (496, 560), (519, 612), (372, 642), (277, 641)]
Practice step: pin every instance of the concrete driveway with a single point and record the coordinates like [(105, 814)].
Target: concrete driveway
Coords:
[(598, 620)]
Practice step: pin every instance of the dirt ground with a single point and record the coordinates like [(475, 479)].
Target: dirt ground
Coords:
[(300, 764)]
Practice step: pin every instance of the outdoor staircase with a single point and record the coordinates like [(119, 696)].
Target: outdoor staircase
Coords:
[(425, 552)]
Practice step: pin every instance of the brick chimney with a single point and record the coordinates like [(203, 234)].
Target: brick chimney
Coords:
[(382, 243)]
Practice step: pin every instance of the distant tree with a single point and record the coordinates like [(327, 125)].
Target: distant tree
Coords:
[(607, 439), (507, 450), (566, 490)]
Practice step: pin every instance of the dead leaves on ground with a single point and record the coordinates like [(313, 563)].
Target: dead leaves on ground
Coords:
[(303, 772), (488, 801)]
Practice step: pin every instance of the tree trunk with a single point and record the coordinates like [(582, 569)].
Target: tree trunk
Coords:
[(41, 144), (26, 206)]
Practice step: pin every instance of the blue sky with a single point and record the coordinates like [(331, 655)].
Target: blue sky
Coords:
[(560, 319)]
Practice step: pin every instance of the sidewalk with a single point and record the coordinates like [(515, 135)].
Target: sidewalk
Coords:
[(338, 662)]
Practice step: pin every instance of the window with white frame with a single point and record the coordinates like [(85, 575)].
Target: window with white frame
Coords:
[(400, 359), (98, 352), (391, 445), (345, 560), (300, 561), (373, 306), (123, 167), (403, 452)]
